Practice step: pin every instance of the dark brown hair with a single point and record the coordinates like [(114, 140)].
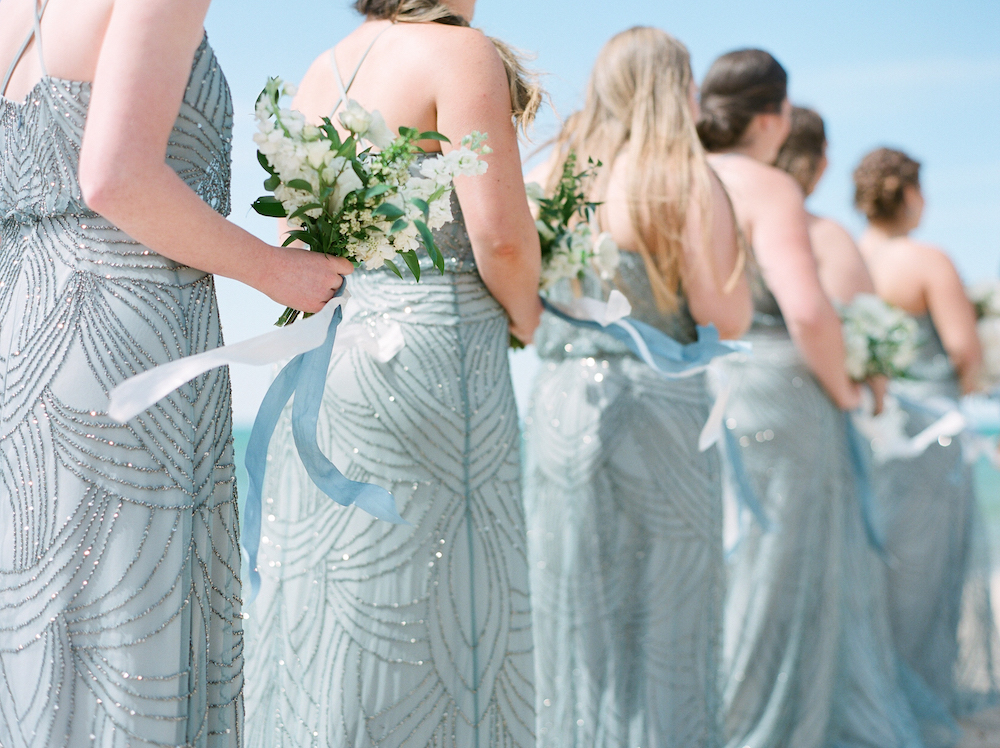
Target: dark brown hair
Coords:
[(738, 86), (801, 154), (526, 93), (879, 182)]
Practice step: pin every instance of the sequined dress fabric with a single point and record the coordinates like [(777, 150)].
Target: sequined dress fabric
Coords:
[(372, 634), (119, 590), (939, 579), (625, 538), (809, 659)]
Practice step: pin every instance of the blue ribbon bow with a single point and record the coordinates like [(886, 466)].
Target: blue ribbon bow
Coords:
[(305, 378)]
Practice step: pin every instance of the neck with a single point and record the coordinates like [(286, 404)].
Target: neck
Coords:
[(753, 149), (885, 230), (464, 8)]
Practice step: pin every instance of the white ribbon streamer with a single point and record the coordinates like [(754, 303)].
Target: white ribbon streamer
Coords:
[(141, 392), (603, 313), (887, 433)]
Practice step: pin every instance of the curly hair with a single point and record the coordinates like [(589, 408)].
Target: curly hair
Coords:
[(802, 153), (880, 180)]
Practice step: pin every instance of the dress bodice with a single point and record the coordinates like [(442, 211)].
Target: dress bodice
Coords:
[(40, 141), (557, 339)]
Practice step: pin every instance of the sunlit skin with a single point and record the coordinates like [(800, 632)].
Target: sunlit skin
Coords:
[(770, 208), (922, 279), (133, 107), (454, 82), (842, 270), (706, 273)]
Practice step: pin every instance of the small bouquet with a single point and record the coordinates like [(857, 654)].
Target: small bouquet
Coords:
[(342, 199), (571, 243), (986, 299), (881, 340)]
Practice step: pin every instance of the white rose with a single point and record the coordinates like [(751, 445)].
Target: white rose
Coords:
[(378, 132), (606, 256), (347, 182), (316, 152), (355, 118)]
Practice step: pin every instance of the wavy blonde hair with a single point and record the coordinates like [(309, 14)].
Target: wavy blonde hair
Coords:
[(637, 108), (526, 93)]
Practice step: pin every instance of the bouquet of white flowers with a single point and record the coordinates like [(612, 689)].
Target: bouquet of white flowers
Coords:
[(341, 198), (881, 340), (570, 241), (986, 298)]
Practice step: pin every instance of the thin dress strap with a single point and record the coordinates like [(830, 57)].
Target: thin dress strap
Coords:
[(336, 70), (35, 33)]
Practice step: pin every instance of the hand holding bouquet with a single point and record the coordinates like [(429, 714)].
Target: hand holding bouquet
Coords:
[(570, 240), (341, 198), (881, 340), (986, 298)]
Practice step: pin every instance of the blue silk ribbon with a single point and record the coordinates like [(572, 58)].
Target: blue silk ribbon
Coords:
[(860, 466), (741, 482), (305, 378)]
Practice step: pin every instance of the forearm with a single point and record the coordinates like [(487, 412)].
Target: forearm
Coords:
[(169, 218), (821, 343), (511, 275)]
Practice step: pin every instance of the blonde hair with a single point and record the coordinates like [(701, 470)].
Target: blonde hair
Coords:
[(637, 107), (526, 93)]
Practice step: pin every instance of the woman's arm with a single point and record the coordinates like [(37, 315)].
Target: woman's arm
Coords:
[(472, 94), (715, 294), (781, 243), (842, 270), (139, 84), (953, 316)]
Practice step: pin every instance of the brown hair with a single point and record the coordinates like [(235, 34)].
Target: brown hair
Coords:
[(637, 107), (739, 86), (802, 153), (526, 93), (879, 182)]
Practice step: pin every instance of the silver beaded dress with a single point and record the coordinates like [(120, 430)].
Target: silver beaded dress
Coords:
[(120, 616), (371, 634), (809, 659), (939, 579), (624, 537)]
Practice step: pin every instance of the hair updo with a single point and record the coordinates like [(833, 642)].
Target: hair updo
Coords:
[(525, 91), (739, 86), (880, 181), (802, 153)]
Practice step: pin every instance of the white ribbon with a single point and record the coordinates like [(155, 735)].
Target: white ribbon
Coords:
[(603, 313), (141, 392)]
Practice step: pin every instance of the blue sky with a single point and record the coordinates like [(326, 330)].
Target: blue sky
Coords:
[(921, 75)]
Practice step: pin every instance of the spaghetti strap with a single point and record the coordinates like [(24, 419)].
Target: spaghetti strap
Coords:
[(336, 69), (35, 33)]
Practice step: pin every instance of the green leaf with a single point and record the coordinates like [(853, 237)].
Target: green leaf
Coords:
[(300, 184), (431, 135), (392, 266), (265, 163), (303, 236), (408, 133), (423, 205), (388, 210), (430, 245), (304, 209), (349, 148), (413, 263), (272, 183), (269, 206), (378, 189), (398, 226)]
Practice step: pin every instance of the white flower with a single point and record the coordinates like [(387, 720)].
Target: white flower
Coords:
[(316, 153), (355, 118), (989, 337), (347, 182), (378, 132), (535, 192), (606, 256)]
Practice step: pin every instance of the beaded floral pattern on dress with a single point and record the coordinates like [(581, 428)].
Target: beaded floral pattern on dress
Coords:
[(120, 616)]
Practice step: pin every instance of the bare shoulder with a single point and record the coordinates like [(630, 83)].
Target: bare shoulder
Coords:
[(830, 231), (746, 175)]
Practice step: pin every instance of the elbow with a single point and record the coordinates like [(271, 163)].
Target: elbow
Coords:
[(105, 184), (810, 316)]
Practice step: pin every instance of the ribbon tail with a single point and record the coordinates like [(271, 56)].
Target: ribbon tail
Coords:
[(278, 395), (744, 490), (863, 484), (305, 422)]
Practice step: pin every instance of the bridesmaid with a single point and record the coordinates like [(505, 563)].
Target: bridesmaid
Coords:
[(372, 634), (807, 642), (624, 512), (120, 612), (939, 596)]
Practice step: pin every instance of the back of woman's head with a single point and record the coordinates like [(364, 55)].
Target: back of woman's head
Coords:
[(739, 86), (880, 181), (803, 152), (638, 107), (525, 91)]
